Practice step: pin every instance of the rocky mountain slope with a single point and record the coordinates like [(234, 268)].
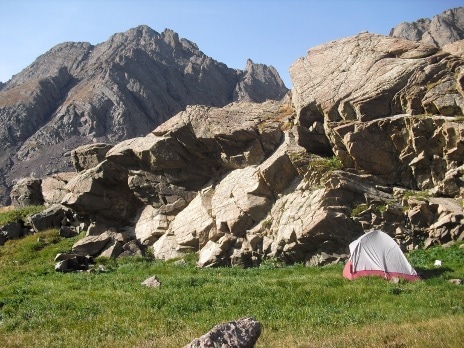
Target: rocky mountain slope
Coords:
[(443, 29), (78, 93), (374, 140)]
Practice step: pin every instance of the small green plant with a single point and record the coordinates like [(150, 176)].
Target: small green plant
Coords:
[(325, 165), (271, 263), (319, 168), (267, 223), (381, 208), (420, 195), (359, 209)]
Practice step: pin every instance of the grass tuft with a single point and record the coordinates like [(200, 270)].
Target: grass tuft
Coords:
[(19, 214)]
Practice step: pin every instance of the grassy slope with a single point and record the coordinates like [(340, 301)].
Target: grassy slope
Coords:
[(297, 306)]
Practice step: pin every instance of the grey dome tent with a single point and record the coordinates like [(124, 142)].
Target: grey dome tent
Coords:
[(376, 253)]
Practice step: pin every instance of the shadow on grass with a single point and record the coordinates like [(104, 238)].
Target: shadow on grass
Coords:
[(426, 273)]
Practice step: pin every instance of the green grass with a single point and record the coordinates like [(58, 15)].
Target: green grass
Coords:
[(325, 164), (420, 195), (319, 168), (297, 306), (19, 214)]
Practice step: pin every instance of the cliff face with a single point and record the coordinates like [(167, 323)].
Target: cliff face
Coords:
[(77, 93), (439, 31)]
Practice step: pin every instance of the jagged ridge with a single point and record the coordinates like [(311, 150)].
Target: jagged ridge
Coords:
[(78, 93)]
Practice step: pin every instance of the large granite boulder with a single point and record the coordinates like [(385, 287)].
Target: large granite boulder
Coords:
[(102, 192), (373, 76)]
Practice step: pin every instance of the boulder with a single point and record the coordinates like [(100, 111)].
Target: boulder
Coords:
[(112, 250), (102, 192), (152, 282), (10, 231), (27, 191), (405, 150), (70, 262), (310, 224), (92, 245), (52, 217), (166, 248), (53, 187), (240, 201), (194, 225), (323, 259), (131, 248), (3, 238), (242, 333), (89, 155), (373, 77), (278, 170), (68, 231), (234, 136), (150, 225), (448, 224), (456, 48), (217, 253)]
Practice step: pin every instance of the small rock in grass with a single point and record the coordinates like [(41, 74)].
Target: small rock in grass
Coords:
[(152, 282)]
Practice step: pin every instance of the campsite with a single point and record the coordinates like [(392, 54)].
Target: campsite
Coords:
[(296, 305), (154, 196), (376, 253)]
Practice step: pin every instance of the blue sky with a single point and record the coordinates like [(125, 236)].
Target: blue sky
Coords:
[(272, 32)]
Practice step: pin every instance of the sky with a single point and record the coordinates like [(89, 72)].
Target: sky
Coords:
[(271, 32)]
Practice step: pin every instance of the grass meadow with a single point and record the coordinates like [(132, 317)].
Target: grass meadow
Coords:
[(297, 306)]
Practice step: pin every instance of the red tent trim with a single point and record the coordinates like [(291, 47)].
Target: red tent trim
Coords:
[(349, 274)]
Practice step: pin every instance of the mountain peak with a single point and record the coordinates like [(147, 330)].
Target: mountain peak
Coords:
[(77, 93), (442, 29)]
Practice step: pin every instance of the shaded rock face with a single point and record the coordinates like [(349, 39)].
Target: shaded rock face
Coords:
[(27, 191), (367, 103), (442, 29), (167, 167), (77, 94)]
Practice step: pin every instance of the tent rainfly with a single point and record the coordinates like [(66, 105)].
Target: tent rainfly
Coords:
[(376, 253)]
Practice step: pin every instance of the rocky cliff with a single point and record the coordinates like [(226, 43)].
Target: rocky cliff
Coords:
[(78, 93), (439, 31), (374, 140)]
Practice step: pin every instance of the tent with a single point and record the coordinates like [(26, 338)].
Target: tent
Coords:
[(376, 253)]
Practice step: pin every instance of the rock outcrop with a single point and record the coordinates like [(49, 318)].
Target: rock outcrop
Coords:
[(78, 93), (252, 181), (442, 29), (374, 140)]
